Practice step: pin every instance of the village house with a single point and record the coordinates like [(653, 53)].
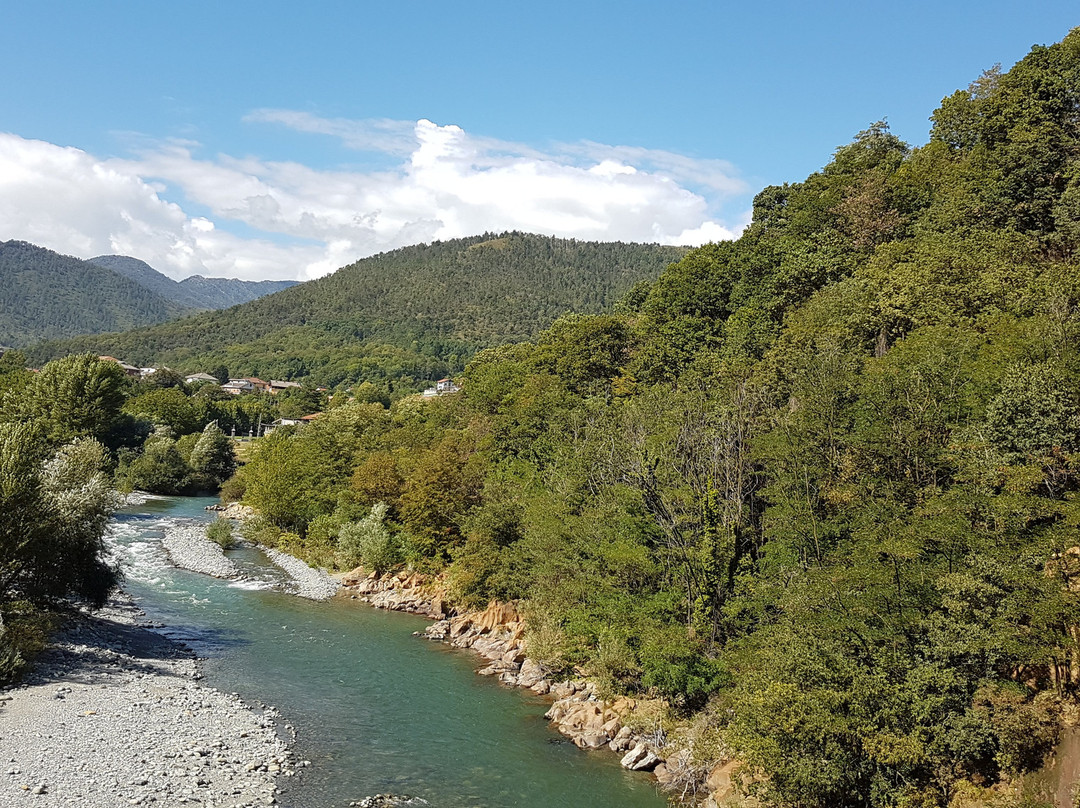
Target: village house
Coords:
[(277, 386), (129, 370), (248, 384), (235, 387), (442, 387), (196, 378)]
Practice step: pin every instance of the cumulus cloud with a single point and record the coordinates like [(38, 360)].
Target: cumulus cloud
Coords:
[(185, 213)]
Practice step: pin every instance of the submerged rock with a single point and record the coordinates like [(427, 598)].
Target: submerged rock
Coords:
[(388, 801)]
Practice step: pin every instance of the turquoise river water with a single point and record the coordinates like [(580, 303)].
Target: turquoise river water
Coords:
[(376, 709)]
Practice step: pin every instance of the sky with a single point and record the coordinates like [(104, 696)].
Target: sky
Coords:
[(285, 140)]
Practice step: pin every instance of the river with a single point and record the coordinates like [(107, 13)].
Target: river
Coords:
[(375, 708)]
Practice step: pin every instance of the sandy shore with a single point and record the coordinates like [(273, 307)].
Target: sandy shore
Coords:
[(112, 715)]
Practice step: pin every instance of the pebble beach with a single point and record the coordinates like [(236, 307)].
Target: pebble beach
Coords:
[(113, 714)]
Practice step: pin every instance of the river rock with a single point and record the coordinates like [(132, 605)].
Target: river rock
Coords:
[(388, 801), (532, 673), (622, 741), (308, 582), (190, 549), (640, 759)]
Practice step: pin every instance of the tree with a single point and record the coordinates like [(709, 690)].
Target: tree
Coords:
[(370, 542), (213, 460), (77, 396), (159, 468), (54, 508)]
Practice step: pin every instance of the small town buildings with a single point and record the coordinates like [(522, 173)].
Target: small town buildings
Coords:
[(197, 378), (280, 422), (235, 387), (248, 384)]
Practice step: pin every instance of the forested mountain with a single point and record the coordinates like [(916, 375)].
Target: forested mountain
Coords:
[(45, 295), (414, 313), (819, 488), (195, 292)]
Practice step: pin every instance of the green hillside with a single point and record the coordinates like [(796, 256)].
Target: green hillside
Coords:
[(819, 488), (416, 312), (45, 295)]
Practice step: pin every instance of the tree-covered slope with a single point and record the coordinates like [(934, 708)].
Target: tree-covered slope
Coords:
[(819, 488), (424, 308), (195, 292), (45, 295)]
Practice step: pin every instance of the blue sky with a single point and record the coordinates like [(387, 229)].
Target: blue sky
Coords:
[(285, 139)]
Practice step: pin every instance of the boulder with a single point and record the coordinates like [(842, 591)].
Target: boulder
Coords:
[(640, 759), (499, 667), (460, 625), (516, 655), (563, 690), (497, 615), (532, 673), (591, 740)]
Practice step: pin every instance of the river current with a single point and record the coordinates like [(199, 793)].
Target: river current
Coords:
[(376, 709)]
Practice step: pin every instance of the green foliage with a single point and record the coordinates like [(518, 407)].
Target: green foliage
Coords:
[(159, 468), (77, 396), (820, 485), (55, 507), (398, 318), (212, 460), (220, 531), (24, 633), (44, 295), (370, 542)]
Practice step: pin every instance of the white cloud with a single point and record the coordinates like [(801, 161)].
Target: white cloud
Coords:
[(182, 213)]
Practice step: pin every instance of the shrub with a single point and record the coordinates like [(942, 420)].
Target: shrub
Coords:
[(220, 531), (370, 542)]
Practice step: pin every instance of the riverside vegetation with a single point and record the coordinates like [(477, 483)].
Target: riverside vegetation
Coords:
[(816, 487)]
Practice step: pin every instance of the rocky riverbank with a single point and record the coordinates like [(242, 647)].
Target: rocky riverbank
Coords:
[(497, 634), (112, 714)]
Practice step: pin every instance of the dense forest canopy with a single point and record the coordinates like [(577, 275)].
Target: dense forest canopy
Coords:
[(817, 487), (44, 295), (397, 318)]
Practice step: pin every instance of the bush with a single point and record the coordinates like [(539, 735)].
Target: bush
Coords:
[(24, 633), (233, 489), (370, 542), (220, 531), (260, 530)]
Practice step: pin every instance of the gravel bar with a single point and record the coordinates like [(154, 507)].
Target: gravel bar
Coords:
[(189, 549), (112, 715), (307, 582)]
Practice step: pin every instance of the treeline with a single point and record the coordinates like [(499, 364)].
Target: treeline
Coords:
[(396, 318), (816, 487)]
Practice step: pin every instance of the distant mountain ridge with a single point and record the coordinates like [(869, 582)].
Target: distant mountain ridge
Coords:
[(196, 292), (410, 314), (45, 295)]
